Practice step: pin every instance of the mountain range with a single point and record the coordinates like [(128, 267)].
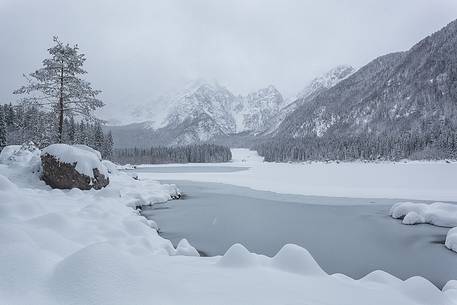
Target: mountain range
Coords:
[(414, 91), (205, 111)]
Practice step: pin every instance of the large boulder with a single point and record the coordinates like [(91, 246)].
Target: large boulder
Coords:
[(73, 166)]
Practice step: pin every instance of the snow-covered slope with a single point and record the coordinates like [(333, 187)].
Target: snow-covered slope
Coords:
[(253, 113), (398, 94), (315, 87)]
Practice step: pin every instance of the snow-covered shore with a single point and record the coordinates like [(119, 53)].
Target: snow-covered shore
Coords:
[(92, 247), (434, 181)]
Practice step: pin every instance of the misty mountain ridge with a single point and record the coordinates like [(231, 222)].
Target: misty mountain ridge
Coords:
[(202, 111)]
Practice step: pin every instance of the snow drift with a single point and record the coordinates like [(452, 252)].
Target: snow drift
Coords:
[(437, 213)]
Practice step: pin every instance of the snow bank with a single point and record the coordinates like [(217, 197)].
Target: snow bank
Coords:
[(85, 158), (438, 214), (90, 247), (413, 180), (451, 239)]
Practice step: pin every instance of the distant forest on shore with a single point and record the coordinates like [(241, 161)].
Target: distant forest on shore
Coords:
[(198, 153)]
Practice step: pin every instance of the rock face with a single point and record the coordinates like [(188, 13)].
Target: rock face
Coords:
[(61, 175)]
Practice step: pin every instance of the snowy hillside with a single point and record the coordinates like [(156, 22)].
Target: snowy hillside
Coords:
[(411, 92), (316, 86)]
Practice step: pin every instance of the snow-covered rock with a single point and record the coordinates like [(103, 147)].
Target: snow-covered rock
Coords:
[(437, 213), (413, 218), (73, 166), (7, 152), (19, 154)]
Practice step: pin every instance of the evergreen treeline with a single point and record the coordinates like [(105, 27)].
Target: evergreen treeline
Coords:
[(20, 123), (199, 153), (434, 145)]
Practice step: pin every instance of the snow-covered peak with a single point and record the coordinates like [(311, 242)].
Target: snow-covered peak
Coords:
[(269, 94), (328, 80), (254, 112)]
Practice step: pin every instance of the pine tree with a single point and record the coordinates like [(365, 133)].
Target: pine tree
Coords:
[(99, 138), (108, 146), (58, 85), (3, 131), (9, 115), (72, 131)]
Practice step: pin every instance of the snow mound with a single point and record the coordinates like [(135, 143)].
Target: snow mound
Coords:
[(85, 158), (438, 213), (7, 152), (295, 259), (379, 276), (186, 249), (237, 256), (451, 239), (413, 218), (20, 154), (421, 290), (450, 285)]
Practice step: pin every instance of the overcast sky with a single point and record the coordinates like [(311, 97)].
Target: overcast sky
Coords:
[(139, 49)]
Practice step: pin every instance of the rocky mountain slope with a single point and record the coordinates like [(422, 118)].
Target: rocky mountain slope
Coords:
[(198, 113), (315, 87), (406, 92)]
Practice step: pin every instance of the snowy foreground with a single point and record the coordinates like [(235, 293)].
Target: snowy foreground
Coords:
[(92, 247)]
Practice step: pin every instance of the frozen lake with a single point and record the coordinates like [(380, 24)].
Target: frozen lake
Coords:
[(230, 203), (350, 236)]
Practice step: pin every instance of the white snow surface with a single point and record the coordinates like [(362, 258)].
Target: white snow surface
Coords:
[(92, 248), (414, 180), (437, 213), (451, 239), (85, 158)]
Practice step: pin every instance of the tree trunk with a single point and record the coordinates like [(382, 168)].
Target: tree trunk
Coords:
[(61, 107)]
